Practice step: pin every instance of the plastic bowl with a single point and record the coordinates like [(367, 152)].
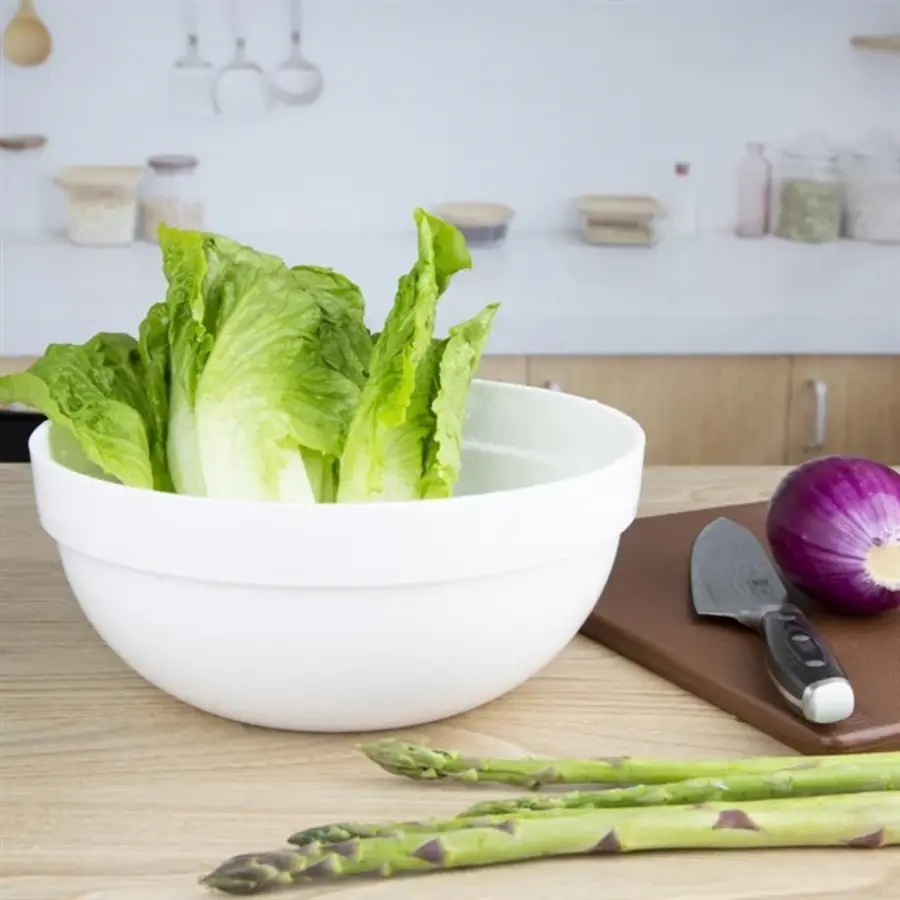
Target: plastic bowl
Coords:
[(359, 617), (481, 224)]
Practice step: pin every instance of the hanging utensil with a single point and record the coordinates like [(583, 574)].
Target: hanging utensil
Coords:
[(26, 40), (192, 76), (297, 81), (242, 87)]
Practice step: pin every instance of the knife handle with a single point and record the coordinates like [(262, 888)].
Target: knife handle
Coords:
[(804, 670)]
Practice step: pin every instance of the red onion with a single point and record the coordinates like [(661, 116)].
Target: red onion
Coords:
[(833, 527)]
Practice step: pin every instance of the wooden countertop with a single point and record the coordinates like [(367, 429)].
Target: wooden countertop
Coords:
[(110, 790)]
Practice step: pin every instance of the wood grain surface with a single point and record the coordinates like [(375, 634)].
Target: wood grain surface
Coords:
[(110, 790), (694, 409)]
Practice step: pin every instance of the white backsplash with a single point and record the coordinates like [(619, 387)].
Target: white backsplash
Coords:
[(529, 102)]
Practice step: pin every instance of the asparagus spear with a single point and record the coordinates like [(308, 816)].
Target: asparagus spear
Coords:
[(337, 832), (735, 788), (850, 820), (838, 779), (427, 764)]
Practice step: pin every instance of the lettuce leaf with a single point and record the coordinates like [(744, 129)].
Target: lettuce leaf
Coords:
[(347, 344), (267, 393), (401, 449), (96, 391), (186, 267), (153, 347), (67, 451), (268, 363), (423, 457), (384, 452), (207, 276), (460, 356)]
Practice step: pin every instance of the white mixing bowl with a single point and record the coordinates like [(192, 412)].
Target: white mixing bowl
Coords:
[(359, 617)]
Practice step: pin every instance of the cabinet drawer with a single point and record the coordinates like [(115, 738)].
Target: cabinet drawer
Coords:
[(513, 369), (845, 405), (726, 410)]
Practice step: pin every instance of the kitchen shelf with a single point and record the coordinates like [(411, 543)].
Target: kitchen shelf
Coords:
[(886, 43), (707, 294)]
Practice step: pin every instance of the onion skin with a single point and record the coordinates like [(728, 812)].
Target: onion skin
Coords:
[(823, 519)]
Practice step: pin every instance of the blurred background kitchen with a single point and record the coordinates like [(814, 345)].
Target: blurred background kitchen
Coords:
[(688, 208)]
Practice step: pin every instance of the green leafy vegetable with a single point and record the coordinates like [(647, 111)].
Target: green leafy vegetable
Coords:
[(268, 365), (186, 265), (460, 355), (384, 454), (273, 385), (98, 392), (254, 380), (153, 347)]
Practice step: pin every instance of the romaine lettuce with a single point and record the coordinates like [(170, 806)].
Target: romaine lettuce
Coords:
[(268, 364), (254, 380), (382, 457), (98, 391), (460, 355), (272, 387)]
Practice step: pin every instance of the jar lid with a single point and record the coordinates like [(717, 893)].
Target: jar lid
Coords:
[(812, 145), (173, 162), (830, 156), (19, 142), (878, 145), (877, 154)]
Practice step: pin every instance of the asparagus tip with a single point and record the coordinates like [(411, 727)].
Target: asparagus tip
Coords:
[(407, 759), (250, 873), (228, 884)]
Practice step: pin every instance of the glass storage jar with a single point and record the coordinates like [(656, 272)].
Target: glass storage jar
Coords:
[(873, 195), (171, 194), (808, 194), (22, 183)]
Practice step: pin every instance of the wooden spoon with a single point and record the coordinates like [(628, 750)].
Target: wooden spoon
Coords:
[(26, 40)]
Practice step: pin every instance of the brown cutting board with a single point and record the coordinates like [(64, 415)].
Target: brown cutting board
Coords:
[(646, 614)]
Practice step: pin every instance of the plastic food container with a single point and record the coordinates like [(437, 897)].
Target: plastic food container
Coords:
[(427, 608), (171, 195), (619, 218), (482, 224), (101, 203)]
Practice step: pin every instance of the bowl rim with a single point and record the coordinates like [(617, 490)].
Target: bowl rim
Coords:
[(39, 451)]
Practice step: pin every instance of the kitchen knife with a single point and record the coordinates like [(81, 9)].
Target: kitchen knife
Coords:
[(732, 577)]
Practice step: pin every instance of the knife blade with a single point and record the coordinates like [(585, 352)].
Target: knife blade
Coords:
[(732, 577)]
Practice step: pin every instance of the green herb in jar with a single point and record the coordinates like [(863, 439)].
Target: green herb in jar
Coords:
[(810, 211)]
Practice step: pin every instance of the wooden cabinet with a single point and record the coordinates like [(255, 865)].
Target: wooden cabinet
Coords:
[(847, 405), (725, 410), (695, 410), (734, 410), (11, 364), (504, 368)]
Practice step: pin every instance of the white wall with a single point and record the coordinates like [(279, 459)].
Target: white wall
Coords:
[(526, 101)]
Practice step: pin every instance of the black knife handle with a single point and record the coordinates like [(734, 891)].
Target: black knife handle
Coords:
[(804, 670)]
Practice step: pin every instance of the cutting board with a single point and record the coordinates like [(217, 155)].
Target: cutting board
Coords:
[(646, 614)]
